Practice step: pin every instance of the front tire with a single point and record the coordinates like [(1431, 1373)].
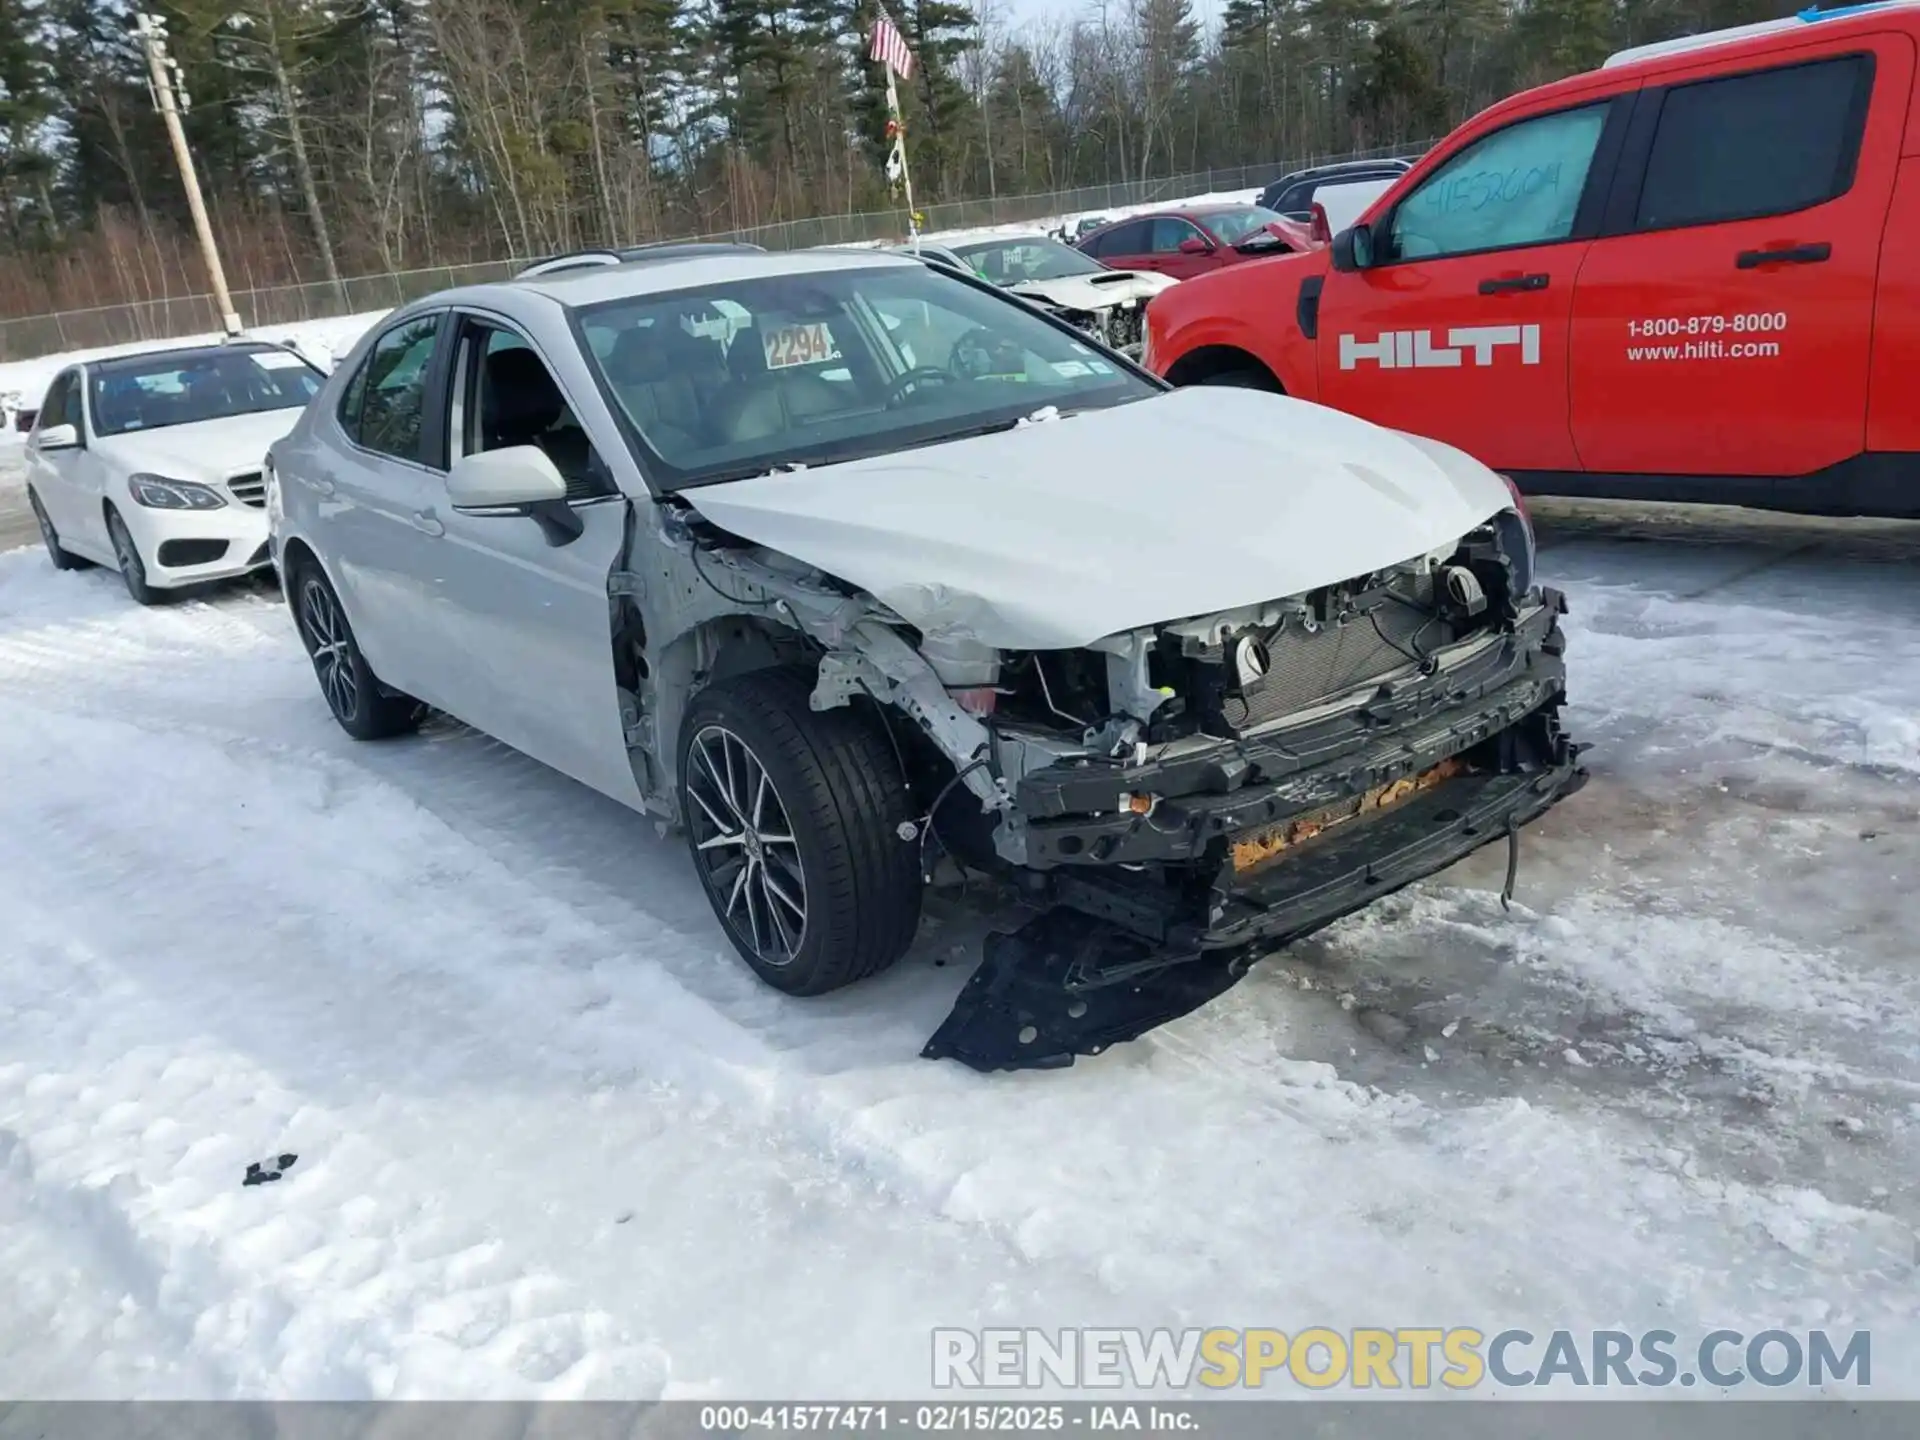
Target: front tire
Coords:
[(133, 570), (62, 558), (794, 817), (364, 708)]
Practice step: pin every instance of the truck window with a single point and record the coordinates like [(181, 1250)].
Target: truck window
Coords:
[(1517, 186), (1747, 146)]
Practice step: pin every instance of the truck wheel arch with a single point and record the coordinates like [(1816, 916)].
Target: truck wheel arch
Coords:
[(1224, 365)]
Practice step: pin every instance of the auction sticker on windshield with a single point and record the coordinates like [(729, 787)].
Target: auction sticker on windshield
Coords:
[(791, 345)]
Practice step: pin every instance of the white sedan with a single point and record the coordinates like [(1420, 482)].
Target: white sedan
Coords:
[(151, 463)]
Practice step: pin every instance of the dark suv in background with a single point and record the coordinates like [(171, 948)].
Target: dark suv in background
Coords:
[(1292, 195)]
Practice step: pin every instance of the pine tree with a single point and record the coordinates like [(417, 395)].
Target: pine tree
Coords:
[(1397, 98), (940, 32), (27, 99)]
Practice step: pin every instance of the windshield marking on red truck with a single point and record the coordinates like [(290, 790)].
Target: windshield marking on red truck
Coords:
[(1480, 188), (1415, 349)]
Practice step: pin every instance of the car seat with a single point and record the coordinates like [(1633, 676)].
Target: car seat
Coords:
[(760, 402), (665, 377)]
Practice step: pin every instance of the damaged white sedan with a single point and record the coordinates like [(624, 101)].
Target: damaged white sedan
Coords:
[(1109, 304), (862, 573)]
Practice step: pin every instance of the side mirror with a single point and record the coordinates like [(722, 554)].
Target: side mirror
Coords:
[(58, 437), (1353, 248), (508, 479), (518, 480), (1194, 245)]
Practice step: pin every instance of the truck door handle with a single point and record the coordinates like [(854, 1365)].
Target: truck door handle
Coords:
[(1507, 283), (322, 486), (425, 522), (1791, 255)]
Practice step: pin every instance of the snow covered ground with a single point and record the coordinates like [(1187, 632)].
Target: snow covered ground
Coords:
[(552, 1140)]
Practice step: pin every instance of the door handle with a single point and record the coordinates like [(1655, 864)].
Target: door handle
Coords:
[(1506, 284), (322, 487), (426, 524), (1790, 255)]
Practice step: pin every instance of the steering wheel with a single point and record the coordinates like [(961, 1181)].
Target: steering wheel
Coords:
[(918, 375)]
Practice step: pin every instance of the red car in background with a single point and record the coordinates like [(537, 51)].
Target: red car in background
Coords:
[(1196, 239)]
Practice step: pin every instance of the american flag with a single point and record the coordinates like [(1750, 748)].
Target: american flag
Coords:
[(890, 48)]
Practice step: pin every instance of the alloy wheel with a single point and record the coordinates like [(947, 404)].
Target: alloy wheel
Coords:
[(331, 646), (745, 846)]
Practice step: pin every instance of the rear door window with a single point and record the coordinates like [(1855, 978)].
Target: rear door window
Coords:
[(384, 405), (1747, 146), (1296, 198), (1128, 239)]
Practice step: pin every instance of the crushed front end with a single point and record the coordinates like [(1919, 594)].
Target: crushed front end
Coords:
[(1120, 326), (1184, 798)]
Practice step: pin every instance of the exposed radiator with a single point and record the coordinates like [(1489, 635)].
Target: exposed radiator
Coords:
[(1307, 667)]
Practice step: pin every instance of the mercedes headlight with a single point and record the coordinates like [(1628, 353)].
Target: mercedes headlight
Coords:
[(157, 492)]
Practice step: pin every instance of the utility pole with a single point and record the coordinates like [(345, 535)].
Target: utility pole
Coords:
[(160, 69)]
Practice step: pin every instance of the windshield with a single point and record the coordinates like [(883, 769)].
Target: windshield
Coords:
[(1233, 226), (193, 385), (1027, 257), (736, 379)]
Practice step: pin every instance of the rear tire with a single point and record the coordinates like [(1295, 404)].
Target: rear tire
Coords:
[(794, 818), (133, 570), (365, 709), (62, 558)]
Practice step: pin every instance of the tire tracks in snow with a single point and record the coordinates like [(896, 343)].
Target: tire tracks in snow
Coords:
[(1134, 1186)]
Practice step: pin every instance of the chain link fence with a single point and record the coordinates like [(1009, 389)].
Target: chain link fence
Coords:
[(33, 335)]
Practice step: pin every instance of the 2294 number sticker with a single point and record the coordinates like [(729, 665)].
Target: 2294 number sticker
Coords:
[(791, 345)]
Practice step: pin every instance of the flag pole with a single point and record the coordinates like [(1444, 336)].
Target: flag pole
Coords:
[(906, 175), (899, 126)]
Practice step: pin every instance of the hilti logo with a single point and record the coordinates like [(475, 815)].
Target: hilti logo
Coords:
[(1415, 350)]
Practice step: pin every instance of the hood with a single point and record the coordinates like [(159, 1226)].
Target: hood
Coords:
[(1053, 535), (1095, 292), (205, 450)]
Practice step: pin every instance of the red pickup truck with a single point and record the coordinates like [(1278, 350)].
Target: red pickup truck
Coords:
[(1692, 274)]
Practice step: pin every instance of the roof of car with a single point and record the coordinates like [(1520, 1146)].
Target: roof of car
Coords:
[(652, 252), (1034, 237), (1181, 212), (594, 284), (182, 354), (1340, 167)]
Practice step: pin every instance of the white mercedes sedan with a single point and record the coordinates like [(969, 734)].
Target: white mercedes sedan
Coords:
[(151, 463)]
